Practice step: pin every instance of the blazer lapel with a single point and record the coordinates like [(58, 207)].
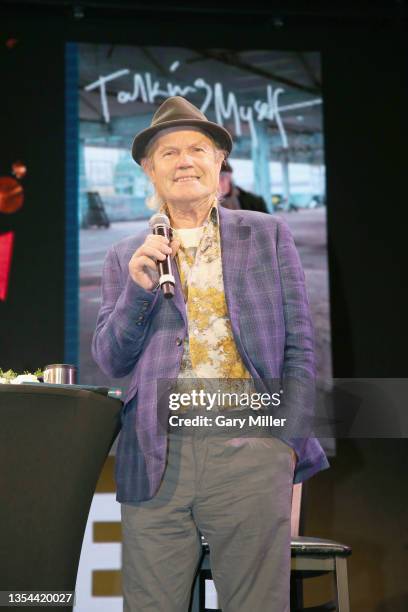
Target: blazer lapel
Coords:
[(235, 242), (178, 298)]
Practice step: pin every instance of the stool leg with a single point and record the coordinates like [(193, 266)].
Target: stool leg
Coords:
[(343, 601), (296, 592)]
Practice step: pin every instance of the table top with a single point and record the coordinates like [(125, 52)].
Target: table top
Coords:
[(55, 389)]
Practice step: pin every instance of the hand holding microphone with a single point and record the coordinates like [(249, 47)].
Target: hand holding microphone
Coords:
[(151, 262)]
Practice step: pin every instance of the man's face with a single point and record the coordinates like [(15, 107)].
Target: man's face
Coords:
[(184, 166)]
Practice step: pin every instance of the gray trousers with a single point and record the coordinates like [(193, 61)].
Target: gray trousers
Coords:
[(238, 493)]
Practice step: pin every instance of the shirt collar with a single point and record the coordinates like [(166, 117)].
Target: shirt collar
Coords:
[(213, 213)]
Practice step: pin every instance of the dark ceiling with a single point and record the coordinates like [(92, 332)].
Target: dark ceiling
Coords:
[(294, 11)]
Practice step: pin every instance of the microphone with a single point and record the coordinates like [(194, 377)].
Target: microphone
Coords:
[(160, 226)]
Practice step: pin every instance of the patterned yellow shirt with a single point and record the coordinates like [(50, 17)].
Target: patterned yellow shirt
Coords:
[(210, 351)]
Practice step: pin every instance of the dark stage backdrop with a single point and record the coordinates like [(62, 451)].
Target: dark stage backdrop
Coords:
[(32, 130), (364, 70)]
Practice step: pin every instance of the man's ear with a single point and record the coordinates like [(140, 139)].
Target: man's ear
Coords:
[(147, 167), (220, 159)]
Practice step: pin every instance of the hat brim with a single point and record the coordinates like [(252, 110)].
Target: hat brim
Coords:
[(221, 136)]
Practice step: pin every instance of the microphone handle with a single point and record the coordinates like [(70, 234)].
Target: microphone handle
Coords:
[(166, 279)]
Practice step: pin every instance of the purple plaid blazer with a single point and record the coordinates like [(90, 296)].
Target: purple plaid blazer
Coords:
[(141, 333)]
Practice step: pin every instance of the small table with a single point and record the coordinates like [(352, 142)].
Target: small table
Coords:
[(54, 440)]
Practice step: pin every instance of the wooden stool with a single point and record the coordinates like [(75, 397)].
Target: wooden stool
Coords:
[(315, 557), (310, 557)]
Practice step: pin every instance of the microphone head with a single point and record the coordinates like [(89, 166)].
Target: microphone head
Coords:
[(159, 219)]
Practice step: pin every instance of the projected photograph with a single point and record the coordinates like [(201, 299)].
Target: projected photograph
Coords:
[(271, 103)]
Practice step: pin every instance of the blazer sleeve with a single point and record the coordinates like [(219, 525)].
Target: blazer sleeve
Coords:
[(298, 375), (299, 346), (123, 320)]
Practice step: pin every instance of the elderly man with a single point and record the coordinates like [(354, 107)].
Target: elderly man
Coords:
[(239, 312)]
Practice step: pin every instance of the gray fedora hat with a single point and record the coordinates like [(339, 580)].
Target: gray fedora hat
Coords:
[(177, 112)]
